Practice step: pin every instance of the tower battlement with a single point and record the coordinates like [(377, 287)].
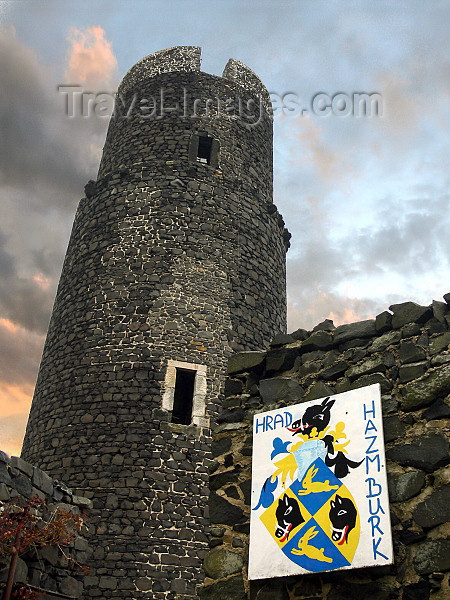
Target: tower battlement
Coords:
[(188, 59)]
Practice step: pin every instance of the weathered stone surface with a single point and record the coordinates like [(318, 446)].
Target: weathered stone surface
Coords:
[(21, 573), (440, 309), (22, 484), (404, 486), (373, 590), (281, 359), (439, 343), (370, 379), (42, 481), (409, 312), (246, 488), (383, 321), (393, 428), (343, 385), (410, 330), (435, 509), (315, 355), (229, 589), (300, 334), (220, 446), (428, 453), (221, 511), (273, 590), (417, 591), (318, 390), (312, 366), (335, 370), (281, 339), (220, 479), (22, 465), (246, 361), (143, 583), (319, 340), (409, 353), (279, 389), (234, 415), (71, 586), (432, 556), (447, 297), (4, 493), (372, 365), (438, 410), (434, 326), (422, 393), (233, 387), (412, 371), (220, 562), (217, 531), (360, 329), (326, 325), (384, 341)]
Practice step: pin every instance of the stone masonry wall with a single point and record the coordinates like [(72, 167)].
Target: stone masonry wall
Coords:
[(46, 567), (406, 351)]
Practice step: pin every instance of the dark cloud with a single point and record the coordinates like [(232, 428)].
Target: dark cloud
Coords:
[(41, 148), (45, 160), (26, 302), (408, 243), (400, 244), (20, 351)]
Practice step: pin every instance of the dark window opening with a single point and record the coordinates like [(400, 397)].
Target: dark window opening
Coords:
[(183, 397), (204, 149)]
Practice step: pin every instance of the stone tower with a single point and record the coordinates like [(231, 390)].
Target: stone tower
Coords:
[(176, 258)]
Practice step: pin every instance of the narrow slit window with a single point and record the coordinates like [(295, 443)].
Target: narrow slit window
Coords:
[(204, 149), (183, 396)]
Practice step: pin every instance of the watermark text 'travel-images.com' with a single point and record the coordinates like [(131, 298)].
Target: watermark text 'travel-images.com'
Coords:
[(80, 103)]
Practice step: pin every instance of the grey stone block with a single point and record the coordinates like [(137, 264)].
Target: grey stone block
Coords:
[(435, 509), (360, 329), (428, 452), (42, 481), (221, 562), (279, 389), (432, 556), (404, 486), (246, 361), (383, 321), (417, 394), (228, 589), (409, 312), (223, 512)]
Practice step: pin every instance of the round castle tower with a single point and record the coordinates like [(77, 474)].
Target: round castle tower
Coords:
[(176, 259)]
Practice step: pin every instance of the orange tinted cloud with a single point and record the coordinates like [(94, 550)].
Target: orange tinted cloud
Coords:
[(9, 325), (15, 404), (12, 430), (348, 315), (15, 399), (92, 62), (20, 350), (330, 163), (42, 281), (317, 305)]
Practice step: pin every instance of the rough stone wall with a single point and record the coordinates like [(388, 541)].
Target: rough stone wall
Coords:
[(45, 567), (406, 351), (169, 259)]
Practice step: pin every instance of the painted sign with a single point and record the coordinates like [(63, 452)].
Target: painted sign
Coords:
[(319, 490)]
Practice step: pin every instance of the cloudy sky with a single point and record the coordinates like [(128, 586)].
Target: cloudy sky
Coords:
[(366, 198)]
